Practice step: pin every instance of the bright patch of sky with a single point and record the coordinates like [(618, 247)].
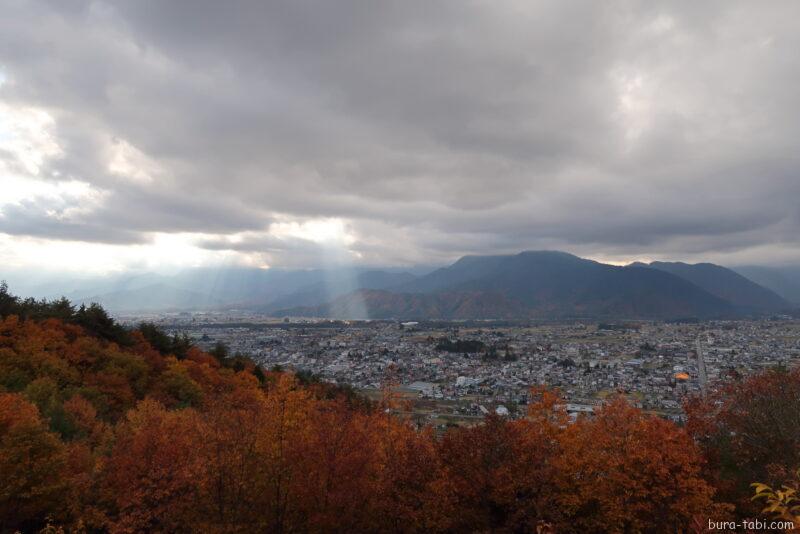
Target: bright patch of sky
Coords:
[(166, 252), (333, 232)]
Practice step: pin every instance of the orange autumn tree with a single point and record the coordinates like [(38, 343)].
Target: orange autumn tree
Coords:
[(271, 498), (231, 458), (409, 496), (33, 480), (499, 474), (338, 482), (152, 480), (625, 471), (620, 471), (749, 429)]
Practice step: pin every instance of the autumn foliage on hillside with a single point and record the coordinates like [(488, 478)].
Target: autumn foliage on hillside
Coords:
[(100, 437), (749, 431)]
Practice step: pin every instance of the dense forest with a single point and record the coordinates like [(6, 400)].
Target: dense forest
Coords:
[(108, 429)]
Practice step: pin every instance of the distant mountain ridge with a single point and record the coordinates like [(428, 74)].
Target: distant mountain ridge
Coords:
[(726, 284), (537, 284), (783, 280)]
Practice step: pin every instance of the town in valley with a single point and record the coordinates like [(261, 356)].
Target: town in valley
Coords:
[(455, 373)]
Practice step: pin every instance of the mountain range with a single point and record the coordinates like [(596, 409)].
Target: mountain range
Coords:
[(550, 284), (528, 285)]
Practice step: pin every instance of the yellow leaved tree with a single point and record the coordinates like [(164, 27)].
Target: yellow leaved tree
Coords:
[(783, 504)]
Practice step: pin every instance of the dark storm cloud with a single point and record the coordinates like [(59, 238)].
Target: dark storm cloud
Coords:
[(152, 209), (125, 215), (433, 128)]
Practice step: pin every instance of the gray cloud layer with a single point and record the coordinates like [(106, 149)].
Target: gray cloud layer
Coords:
[(433, 128)]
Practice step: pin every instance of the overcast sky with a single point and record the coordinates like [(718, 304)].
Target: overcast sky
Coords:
[(148, 134)]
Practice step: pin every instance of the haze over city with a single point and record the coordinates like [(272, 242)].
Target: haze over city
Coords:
[(310, 134)]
